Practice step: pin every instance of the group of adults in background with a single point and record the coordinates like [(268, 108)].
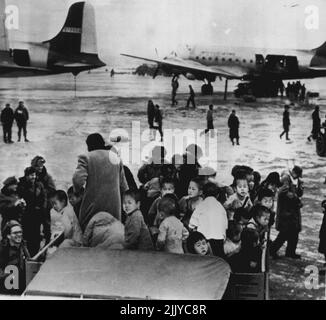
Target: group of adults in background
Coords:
[(296, 91), (8, 116)]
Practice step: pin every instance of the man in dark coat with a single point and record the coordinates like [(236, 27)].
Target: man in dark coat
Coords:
[(158, 117), (191, 98), (11, 206), (175, 86), (288, 219), (46, 179), (286, 123), (234, 124), (316, 124), (13, 253), (7, 119), (21, 117), (150, 117), (210, 121), (34, 215), (101, 172)]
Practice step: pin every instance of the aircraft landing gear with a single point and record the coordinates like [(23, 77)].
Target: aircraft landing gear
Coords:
[(207, 89)]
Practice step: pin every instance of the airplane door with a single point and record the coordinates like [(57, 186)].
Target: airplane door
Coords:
[(291, 64), (260, 61)]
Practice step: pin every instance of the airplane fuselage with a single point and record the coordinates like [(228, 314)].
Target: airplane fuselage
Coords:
[(256, 63)]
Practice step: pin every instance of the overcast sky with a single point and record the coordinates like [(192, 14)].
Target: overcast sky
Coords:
[(140, 26)]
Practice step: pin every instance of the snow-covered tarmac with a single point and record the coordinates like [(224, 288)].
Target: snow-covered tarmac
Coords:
[(59, 124)]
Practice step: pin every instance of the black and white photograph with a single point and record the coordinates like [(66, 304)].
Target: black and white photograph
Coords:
[(170, 150)]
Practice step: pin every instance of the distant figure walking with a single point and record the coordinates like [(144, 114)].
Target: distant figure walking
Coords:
[(191, 98), (150, 118), (175, 87), (158, 118), (7, 120), (210, 121), (303, 93), (286, 123), (316, 124), (112, 73), (21, 117), (234, 124)]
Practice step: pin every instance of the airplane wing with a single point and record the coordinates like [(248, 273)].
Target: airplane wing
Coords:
[(190, 66), (318, 68), (13, 67)]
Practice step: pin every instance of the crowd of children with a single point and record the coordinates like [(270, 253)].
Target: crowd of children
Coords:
[(180, 207)]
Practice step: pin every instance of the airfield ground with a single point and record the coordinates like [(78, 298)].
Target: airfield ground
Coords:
[(60, 123)]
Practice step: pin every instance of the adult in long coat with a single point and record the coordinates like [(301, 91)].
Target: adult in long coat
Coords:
[(288, 219), (316, 124), (234, 124), (101, 172)]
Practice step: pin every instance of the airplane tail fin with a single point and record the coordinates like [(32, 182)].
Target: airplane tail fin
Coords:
[(78, 33), (77, 38), (321, 51)]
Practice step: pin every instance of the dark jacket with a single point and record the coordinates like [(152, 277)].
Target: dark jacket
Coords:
[(13, 256), (158, 117), (130, 179), (288, 217), (21, 115), (286, 119), (322, 236), (8, 210), (148, 171), (35, 213), (150, 114), (316, 123), (46, 180), (234, 124), (137, 236), (7, 116)]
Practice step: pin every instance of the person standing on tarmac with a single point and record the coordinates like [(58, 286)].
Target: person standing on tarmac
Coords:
[(286, 123), (210, 124), (316, 124), (21, 117), (175, 87), (150, 117), (191, 98), (234, 124), (159, 121), (7, 120)]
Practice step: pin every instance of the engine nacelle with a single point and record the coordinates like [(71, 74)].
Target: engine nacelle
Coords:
[(190, 76)]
